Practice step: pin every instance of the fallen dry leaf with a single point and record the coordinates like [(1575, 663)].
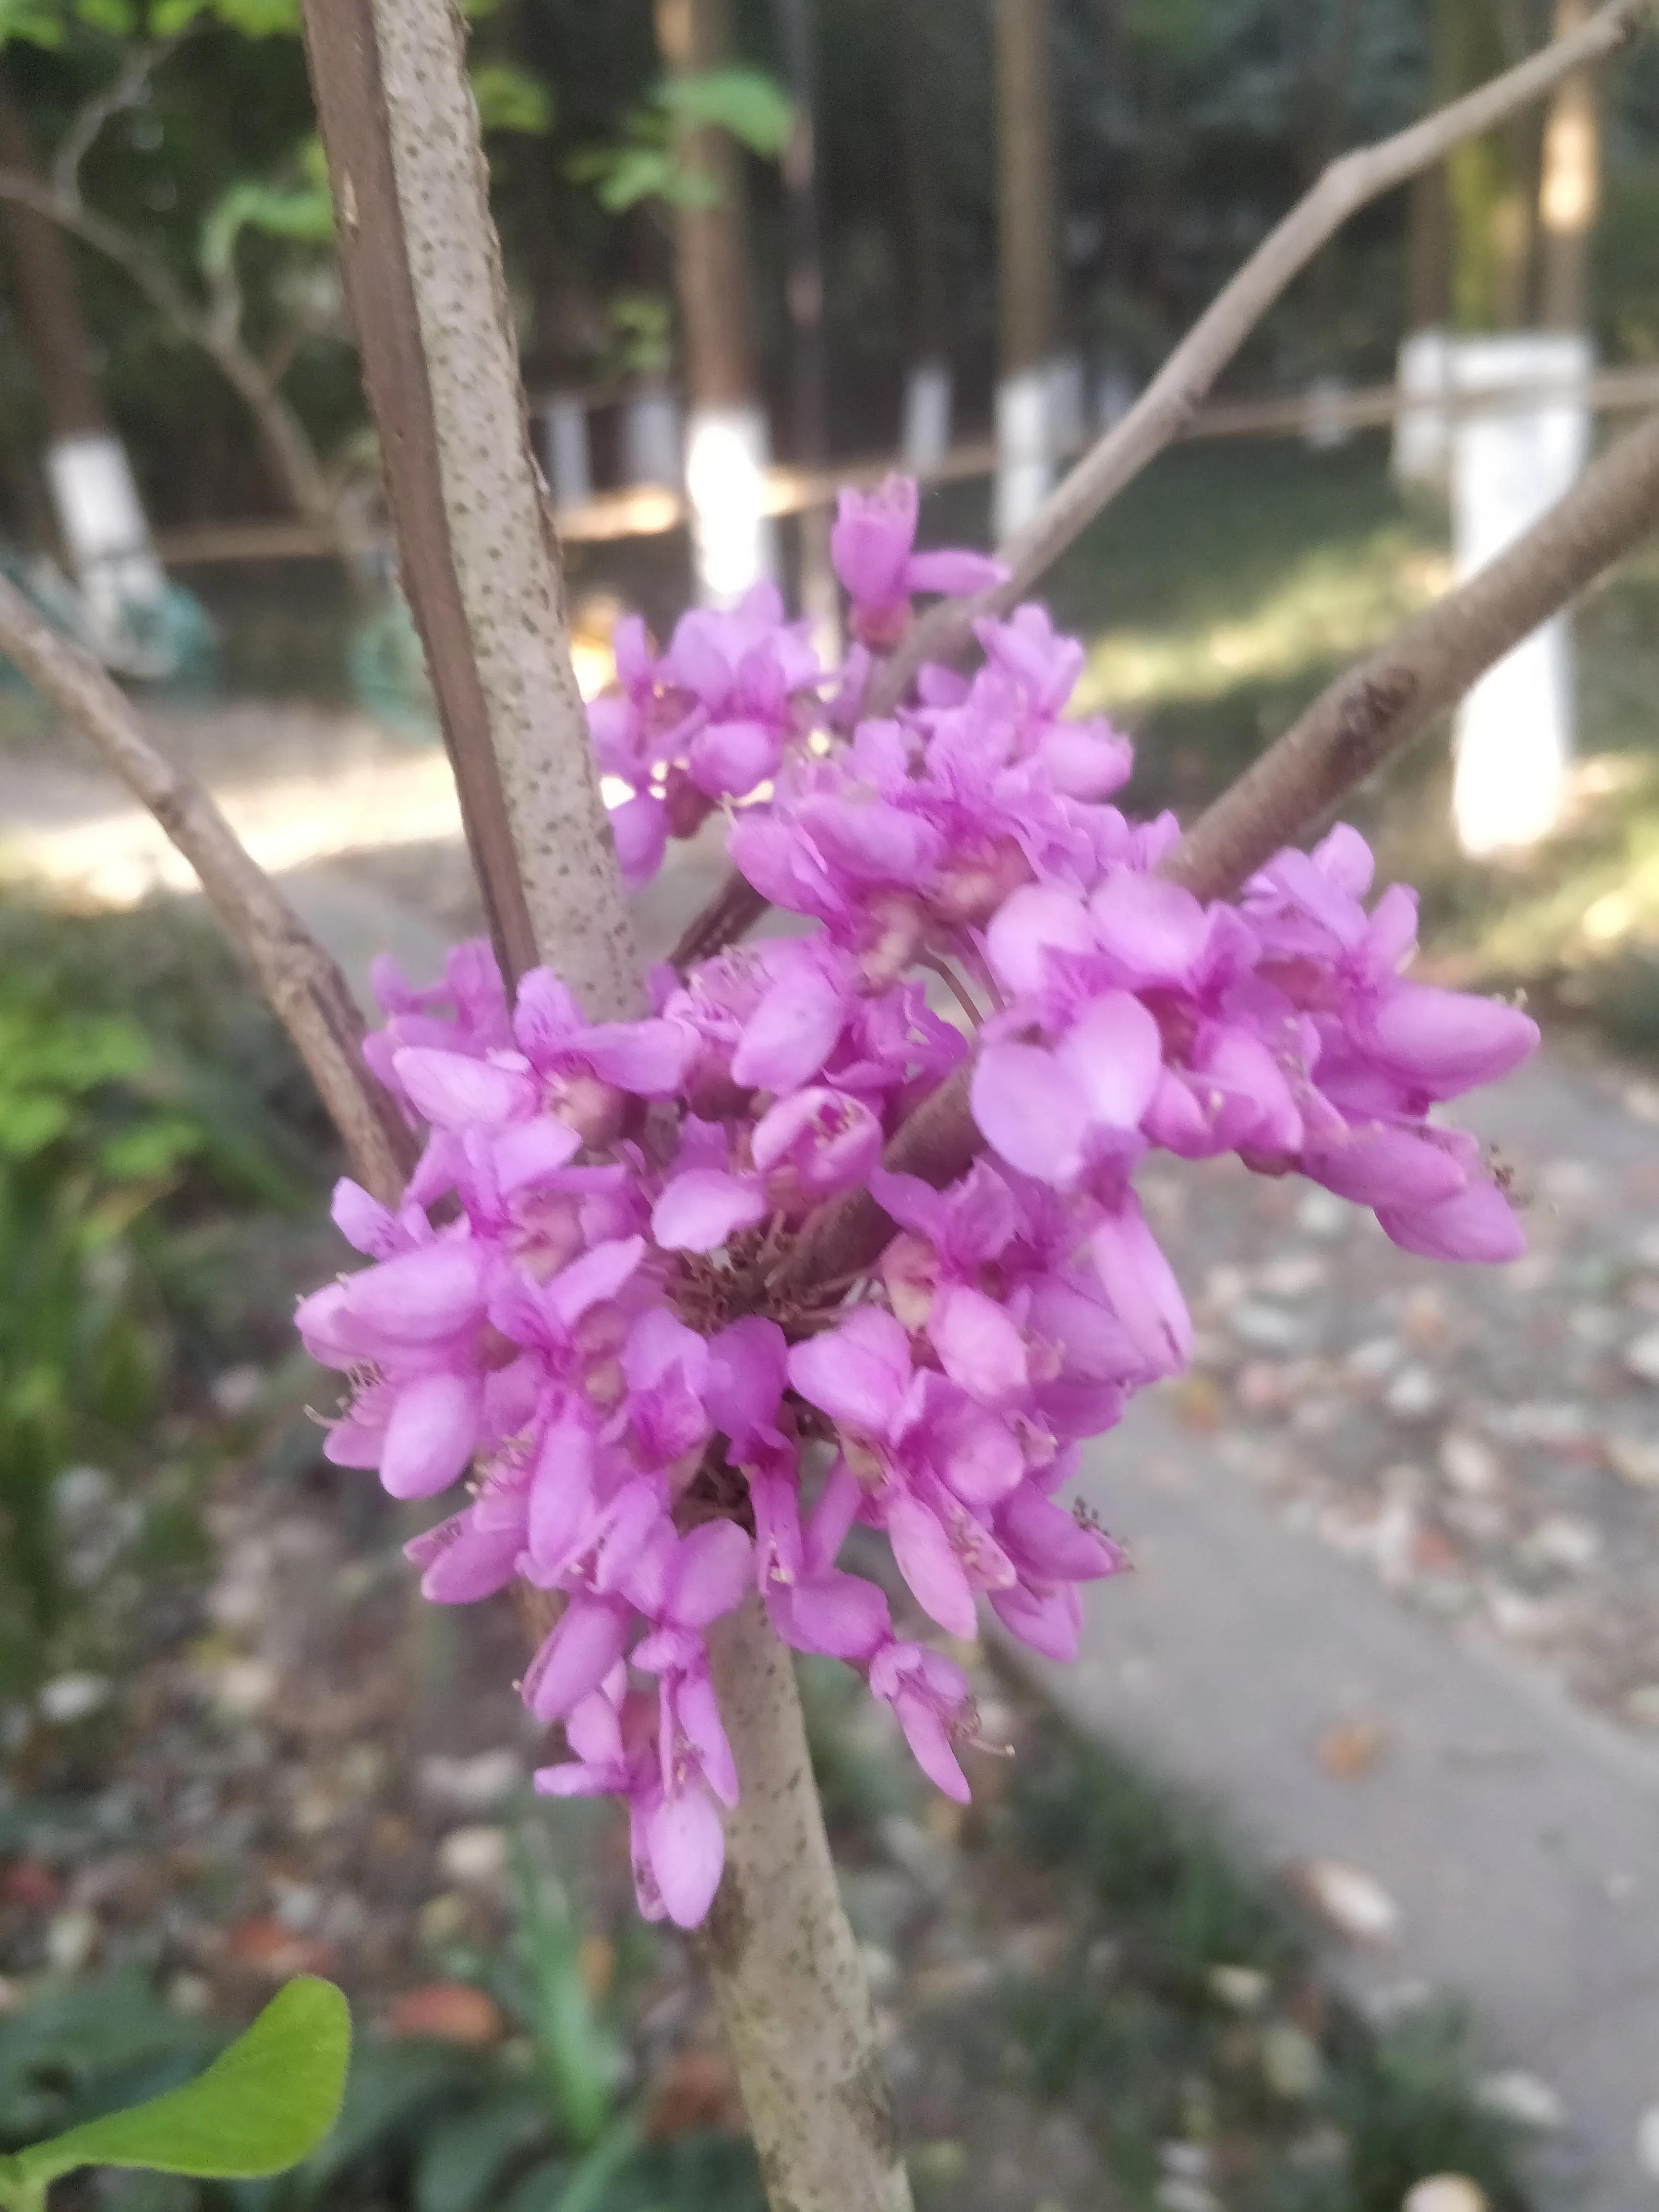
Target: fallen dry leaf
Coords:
[(1351, 1748), (446, 2012)]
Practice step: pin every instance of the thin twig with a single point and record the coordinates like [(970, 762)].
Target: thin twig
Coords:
[(286, 438), (1166, 408), (303, 985), (1171, 399), (1394, 695), (422, 274), (126, 89), (1366, 717), (959, 991)]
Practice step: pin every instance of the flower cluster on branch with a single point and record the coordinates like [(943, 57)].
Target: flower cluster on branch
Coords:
[(585, 1305)]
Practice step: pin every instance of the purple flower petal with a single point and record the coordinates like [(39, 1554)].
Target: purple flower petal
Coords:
[(1478, 1224), (790, 1035), (927, 1560), (856, 1373), (578, 1654), (978, 1346), (454, 1093), (1144, 1292), (1115, 1054), (1030, 1111), (698, 1211), (712, 1572), (419, 1298), (686, 1846), (432, 1434)]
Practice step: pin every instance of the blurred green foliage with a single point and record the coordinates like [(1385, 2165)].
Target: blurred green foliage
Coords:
[(551, 2119), (648, 162), (125, 1135)]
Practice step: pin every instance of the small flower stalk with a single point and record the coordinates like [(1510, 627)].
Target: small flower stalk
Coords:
[(584, 1308)]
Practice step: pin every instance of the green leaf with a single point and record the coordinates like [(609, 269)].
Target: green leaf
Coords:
[(581, 2060), (510, 97), (634, 173), (304, 212), (29, 1121), (462, 2159), (254, 19), (119, 18), (154, 1148), (753, 106), (395, 2090), (37, 22), (263, 2104)]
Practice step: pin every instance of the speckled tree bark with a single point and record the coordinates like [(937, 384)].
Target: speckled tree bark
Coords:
[(791, 1987), (422, 271)]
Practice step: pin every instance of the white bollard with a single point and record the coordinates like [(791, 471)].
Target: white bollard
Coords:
[(928, 393), (104, 532), (1065, 424), (651, 429), (569, 463), (1326, 428), (1024, 449), (733, 541), (1422, 431), (1115, 391), (1515, 728)]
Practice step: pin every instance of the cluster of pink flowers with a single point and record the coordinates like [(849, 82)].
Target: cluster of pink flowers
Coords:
[(582, 1304)]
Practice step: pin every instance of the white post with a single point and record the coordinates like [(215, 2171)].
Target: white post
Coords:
[(569, 463), (926, 435), (651, 436), (1065, 423), (1024, 449), (1422, 431), (1115, 391), (1515, 728), (102, 521), (733, 540), (1326, 429)]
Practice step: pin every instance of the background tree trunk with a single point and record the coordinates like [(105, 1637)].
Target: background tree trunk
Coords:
[(727, 442), (1570, 192), (94, 495), (48, 304), (820, 600), (1491, 181), (1028, 273), (927, 403)]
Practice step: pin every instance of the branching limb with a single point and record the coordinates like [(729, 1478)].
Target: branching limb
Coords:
[(1392, 697), (1169, 403), (127, 88), (303, 985), (1367, 715), (285, 437)]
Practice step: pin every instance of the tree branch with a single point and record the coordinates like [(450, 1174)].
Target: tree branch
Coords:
[(788, 1976), (285, 437), (304, 988), (1372, 712), (126, 89), (422, 274), (1170, 401), (1392, 697)]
